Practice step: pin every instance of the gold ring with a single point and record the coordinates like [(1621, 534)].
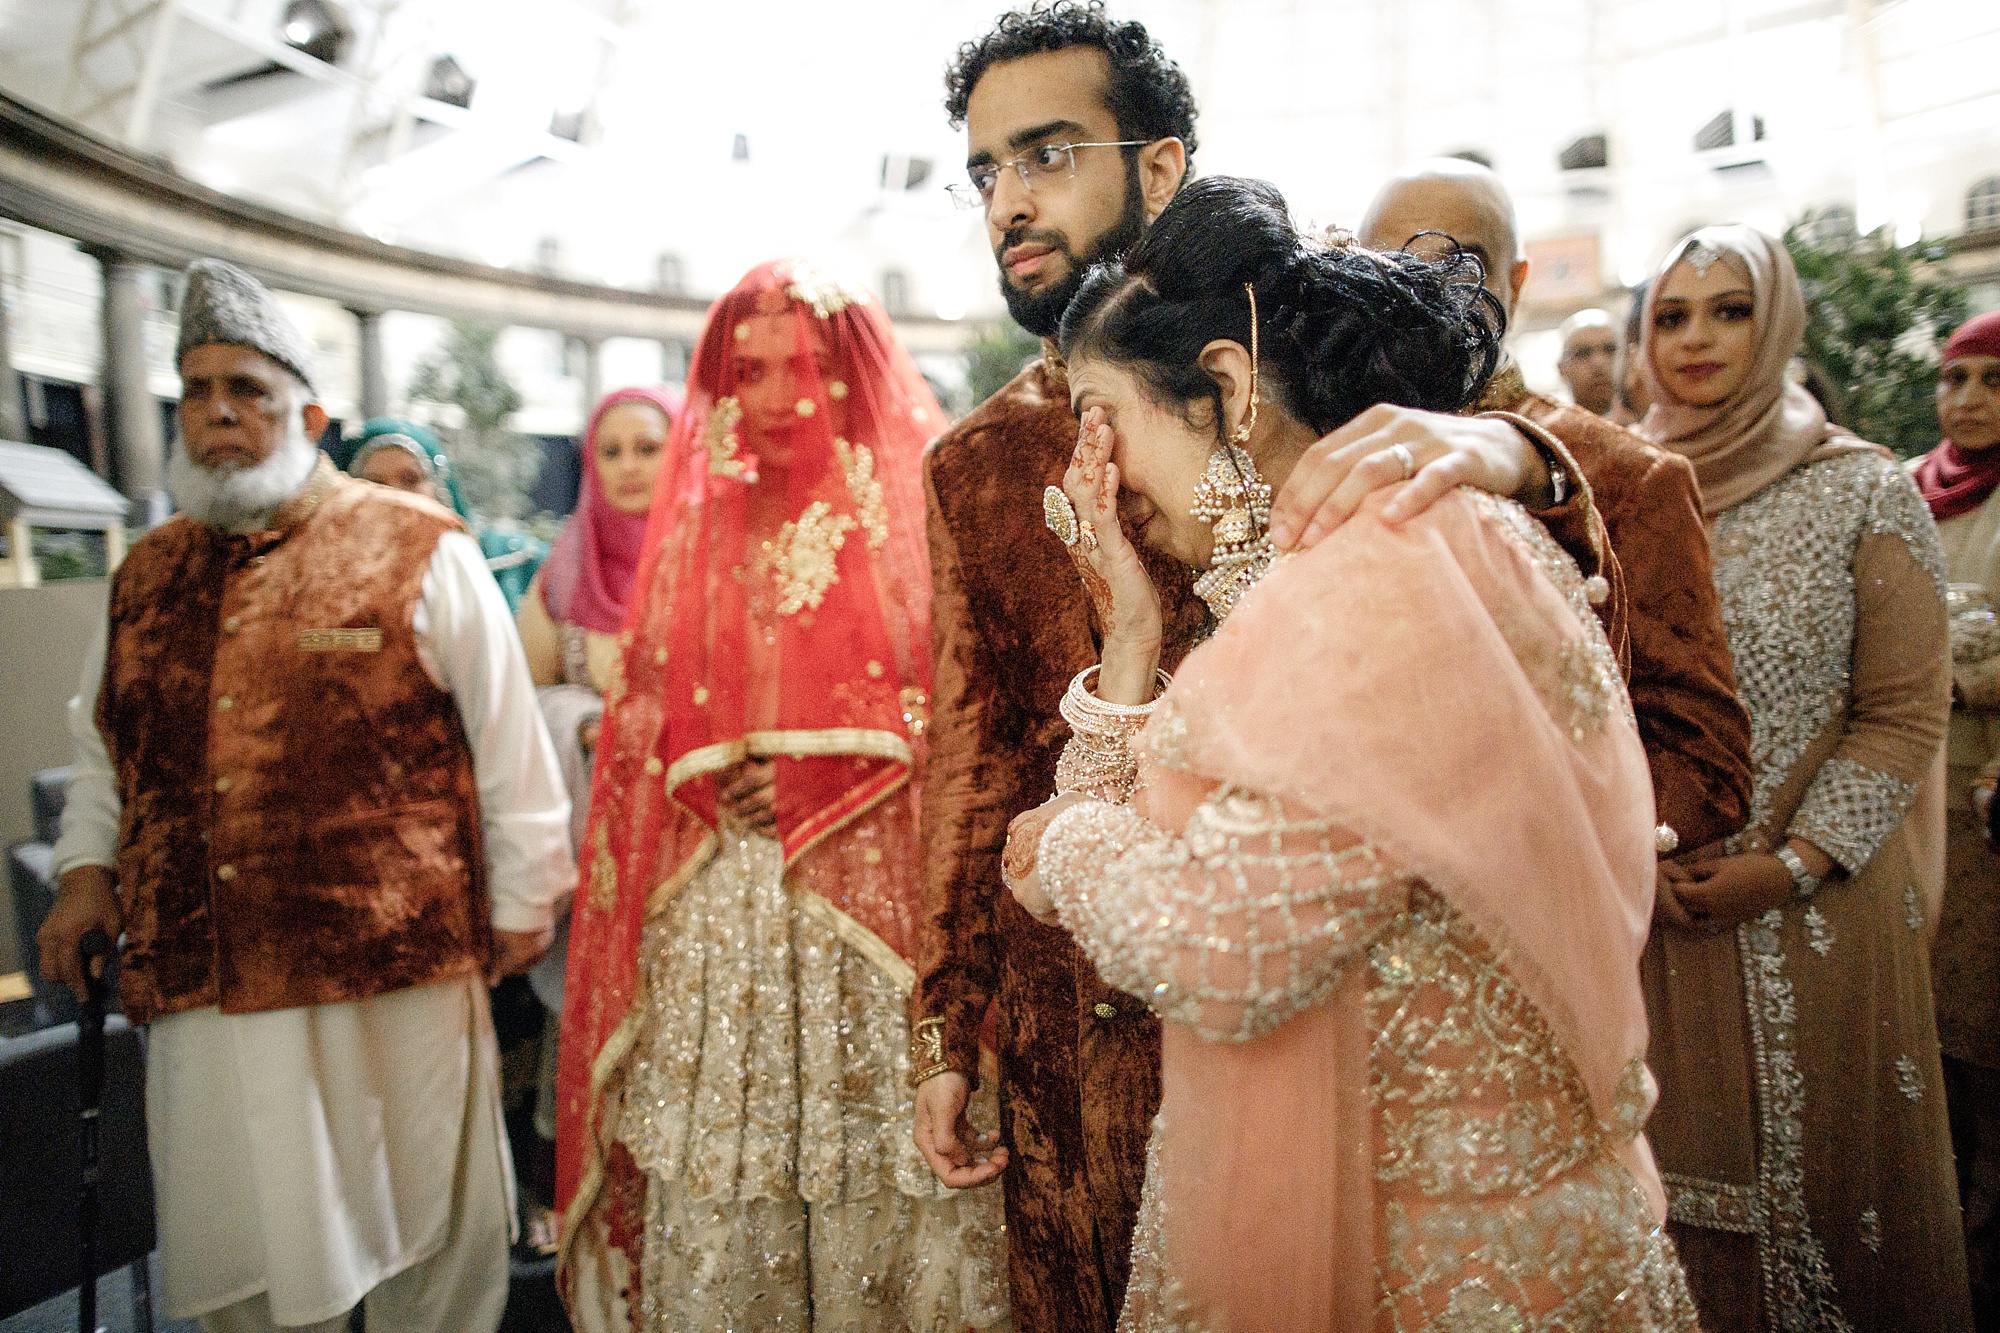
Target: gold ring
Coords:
[(1060, 515), (1086, 535), (1402, 451)]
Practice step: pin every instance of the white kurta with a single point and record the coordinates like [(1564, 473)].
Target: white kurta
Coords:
[(311, 1153)]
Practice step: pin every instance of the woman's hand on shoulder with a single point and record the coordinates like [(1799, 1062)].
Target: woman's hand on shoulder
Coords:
[(1386, 445)]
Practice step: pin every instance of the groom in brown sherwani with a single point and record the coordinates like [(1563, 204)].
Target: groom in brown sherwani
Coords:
[(1080, 131)]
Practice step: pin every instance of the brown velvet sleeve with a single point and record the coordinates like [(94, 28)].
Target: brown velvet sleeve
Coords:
[(968, 797), (1573, 523), (1900, 706), (1696, 733)]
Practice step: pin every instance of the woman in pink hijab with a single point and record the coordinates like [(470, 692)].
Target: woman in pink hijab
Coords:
[(1801, 1125), (569, 622), (571, 617)]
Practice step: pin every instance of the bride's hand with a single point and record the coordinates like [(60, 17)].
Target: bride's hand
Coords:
[(1128, 606), (1018, 868)]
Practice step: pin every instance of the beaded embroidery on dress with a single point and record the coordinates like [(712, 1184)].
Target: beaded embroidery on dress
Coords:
[(1785, 571), (1500, 1199), (769, 1110), (1501, 1206)]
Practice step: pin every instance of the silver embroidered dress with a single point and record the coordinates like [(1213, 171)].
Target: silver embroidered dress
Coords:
[(1801, 1125)]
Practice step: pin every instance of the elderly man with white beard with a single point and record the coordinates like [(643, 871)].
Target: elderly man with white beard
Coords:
[(314, 793)]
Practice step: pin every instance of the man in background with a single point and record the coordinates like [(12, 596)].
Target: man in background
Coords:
[(1696, 733), (1589, 353), (1630, 409)]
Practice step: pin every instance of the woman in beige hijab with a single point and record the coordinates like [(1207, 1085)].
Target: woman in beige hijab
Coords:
[(1801, 1125)]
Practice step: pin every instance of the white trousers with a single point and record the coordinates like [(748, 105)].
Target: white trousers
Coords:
[(311, 1160), (462, 1289)]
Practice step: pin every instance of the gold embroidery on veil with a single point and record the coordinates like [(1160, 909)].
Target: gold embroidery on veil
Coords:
[(803, 559), (720, 437), (857, 464)]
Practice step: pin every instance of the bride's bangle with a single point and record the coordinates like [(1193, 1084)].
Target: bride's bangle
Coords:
[(1085, 712), (1098, 760)]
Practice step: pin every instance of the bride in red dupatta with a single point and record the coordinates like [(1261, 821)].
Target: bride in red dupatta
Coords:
[(733, 1109)]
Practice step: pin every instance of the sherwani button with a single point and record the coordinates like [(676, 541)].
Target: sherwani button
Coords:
[(224, 784), (1105, 1010), (225, 873), (231, 625)]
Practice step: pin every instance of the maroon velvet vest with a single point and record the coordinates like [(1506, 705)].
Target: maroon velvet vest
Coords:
[(300, 823)]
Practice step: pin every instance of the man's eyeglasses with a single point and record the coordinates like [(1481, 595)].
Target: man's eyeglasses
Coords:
[(1043, 162)]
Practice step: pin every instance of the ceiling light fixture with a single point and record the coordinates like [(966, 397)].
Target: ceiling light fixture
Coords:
[(449, 83), (317, 28)]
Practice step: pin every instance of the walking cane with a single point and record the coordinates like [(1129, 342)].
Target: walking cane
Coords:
[(90, 1088)]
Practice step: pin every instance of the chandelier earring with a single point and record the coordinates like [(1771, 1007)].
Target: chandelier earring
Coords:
[(1236, 503)]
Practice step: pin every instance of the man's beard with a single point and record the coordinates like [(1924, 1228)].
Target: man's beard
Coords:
[(1040, 313), (241, 499)]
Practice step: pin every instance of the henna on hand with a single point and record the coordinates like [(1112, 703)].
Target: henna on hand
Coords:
[(1017, 862), (1094, 584)]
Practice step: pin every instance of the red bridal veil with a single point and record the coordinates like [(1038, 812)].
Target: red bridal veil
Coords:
[(781, 612)]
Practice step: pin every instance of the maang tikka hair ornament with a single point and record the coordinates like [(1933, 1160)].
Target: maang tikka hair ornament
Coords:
[(1701, 256), (1236, 502)]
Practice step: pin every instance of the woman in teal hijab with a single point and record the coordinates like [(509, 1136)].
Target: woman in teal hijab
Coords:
[(410, 457)]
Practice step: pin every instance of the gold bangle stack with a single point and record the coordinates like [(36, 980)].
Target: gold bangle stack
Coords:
[(1098, 759)]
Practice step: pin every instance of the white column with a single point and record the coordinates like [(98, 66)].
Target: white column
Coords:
[(138, 446)]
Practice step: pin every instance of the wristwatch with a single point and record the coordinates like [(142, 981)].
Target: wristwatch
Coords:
[(1558, 471), (1804, 882)]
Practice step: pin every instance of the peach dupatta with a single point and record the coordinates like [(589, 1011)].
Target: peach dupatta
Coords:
[(1441, 689)]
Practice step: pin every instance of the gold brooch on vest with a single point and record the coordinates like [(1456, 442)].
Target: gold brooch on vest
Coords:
[(340, 640)]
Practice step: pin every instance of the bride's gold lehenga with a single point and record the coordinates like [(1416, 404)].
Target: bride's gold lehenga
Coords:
[(769, 1107), (1308, 976)]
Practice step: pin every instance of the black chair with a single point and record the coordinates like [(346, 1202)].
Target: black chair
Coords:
[(41, 1168), (34, 890), (47, 790)]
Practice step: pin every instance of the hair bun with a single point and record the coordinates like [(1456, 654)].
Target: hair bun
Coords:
[(1341, 327)]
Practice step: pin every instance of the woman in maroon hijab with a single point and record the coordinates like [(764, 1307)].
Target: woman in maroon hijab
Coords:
[(1960, 479)]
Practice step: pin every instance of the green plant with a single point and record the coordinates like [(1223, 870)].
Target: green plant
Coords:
[(1877, 314), (496, 467), (68, 555), (997, 355)]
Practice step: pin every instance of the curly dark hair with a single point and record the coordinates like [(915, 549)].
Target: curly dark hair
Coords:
[(1148, 94), (1340, 329)]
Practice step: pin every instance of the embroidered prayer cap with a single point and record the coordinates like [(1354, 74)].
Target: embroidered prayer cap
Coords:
[(223, 304)]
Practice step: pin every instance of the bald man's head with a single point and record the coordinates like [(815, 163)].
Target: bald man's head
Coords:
[(1465, 202), (1587, 363)]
